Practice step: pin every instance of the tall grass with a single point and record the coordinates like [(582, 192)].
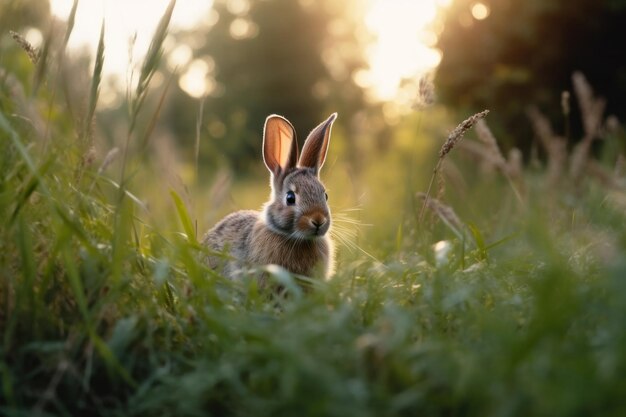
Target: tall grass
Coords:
[(105, 310)]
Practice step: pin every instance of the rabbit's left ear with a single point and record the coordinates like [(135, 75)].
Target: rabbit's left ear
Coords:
[(280, 147), (316, 145)]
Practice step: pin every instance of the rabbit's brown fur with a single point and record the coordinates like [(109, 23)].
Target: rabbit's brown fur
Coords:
[(292, 234)]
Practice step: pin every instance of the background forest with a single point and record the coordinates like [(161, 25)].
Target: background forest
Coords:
[(476, 275)]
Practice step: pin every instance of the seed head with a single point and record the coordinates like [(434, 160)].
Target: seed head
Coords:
[(458, 132), (425, 92), (31, 51)]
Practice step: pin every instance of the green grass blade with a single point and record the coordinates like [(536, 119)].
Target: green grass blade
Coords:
[(150, 63), (121, 238), (502, 240), (197, 145), (43, 61), (73, 277), (285, 279), (29, 267), (184, 217), (7, 384), (94, 91), (15, 139), (157, 113), (71, 20), (399, 237), (479, 240), (79, 296), (30, 187)]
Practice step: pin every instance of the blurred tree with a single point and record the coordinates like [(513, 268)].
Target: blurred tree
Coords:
[(524, 52), (289, 57), (17, 14)]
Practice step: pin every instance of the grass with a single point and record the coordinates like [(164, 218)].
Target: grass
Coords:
[(106, 307)]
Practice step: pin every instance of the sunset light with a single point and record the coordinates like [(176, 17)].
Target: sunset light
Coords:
[(405, 36), (312, 208), (404, 33), (123, 20)]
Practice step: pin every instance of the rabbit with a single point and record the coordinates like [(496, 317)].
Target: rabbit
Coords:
[(292, 229)]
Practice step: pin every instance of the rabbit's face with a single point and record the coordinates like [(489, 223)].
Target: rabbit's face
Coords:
[(298, 207)]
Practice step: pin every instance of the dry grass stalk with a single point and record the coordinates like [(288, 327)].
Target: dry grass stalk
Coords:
[(555, 146), (445, 213), (612, 125), (89, 157), (457, 134), (566, 109), (425, 92), (591, 108), (511, 170), (31, 51), (542, 127), (108, 159), (578, 159), (592, 111), (219, 195), (487, 137), (515, 165), (490, 141), (556, 164), (441, 186), (220, 189), (482, 153), (620, 167), (453, 138), (27, 110), (455, 178), (148, 69), (565, 101), (603, 175)]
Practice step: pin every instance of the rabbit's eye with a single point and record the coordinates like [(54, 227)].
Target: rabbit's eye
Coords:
[(291, 198), (326, 195)]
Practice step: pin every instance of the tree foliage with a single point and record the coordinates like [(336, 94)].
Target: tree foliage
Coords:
[(16, 14), (273, 62), (525, 52)]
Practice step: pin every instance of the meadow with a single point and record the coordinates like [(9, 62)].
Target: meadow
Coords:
[(499, 290)]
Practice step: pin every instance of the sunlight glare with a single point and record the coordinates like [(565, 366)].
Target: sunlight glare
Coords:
[(196, 81), (241, 28), (180, 56), (404, 29), (124, 18), (34, 37), (480, 11), (403, 46)]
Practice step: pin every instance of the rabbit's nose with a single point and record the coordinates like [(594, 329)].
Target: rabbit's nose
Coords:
[(318, 223), (315, 223)]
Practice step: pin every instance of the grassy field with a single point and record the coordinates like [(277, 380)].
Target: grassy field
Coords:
[(507, 296)]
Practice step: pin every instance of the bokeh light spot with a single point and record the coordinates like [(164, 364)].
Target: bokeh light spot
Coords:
[(480, 11)]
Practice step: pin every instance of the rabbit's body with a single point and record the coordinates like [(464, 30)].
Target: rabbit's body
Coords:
[(292, 229), (249, 241)]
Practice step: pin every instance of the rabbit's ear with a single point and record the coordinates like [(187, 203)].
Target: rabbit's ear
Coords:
[(316, 145), (280, 147)]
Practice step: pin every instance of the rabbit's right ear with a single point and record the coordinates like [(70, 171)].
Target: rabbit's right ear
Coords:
[(280, 147)]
